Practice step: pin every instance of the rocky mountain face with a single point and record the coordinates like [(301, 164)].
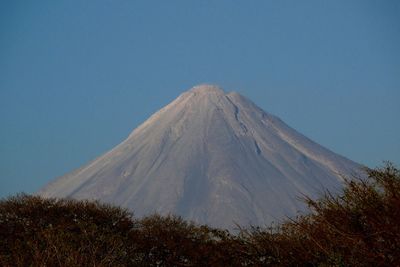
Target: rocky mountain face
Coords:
[(211, 157)]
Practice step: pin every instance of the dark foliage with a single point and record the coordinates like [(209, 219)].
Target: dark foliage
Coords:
[(360, 227), (49, 232)]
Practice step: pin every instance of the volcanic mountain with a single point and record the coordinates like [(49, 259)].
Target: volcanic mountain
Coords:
[(211, 157)]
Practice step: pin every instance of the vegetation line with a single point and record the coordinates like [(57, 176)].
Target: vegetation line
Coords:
[(359, 227)]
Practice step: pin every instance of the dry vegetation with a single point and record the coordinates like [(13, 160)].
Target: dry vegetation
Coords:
[(360, 227)]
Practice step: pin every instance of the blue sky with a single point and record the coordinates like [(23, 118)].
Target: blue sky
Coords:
[(76, 77)]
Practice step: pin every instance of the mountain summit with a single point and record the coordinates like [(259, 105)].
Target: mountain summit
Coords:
[(211, 157)]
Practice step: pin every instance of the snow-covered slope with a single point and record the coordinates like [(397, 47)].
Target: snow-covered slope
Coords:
[(211, 157)]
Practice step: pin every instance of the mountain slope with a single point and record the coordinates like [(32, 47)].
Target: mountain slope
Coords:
[(211, 157)]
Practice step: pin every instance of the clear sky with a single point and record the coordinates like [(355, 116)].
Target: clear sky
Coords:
[(76, 77)]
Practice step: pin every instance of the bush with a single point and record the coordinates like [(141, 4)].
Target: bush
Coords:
[(54, 232), (359, 227)]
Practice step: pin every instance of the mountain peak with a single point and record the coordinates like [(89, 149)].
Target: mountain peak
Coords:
[(207, 89)]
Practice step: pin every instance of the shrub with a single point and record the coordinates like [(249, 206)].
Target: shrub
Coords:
[(54, 232), (359, 227)]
